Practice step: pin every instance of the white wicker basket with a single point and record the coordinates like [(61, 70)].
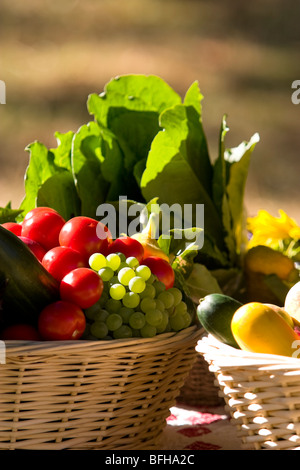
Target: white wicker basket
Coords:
[(262, 392)]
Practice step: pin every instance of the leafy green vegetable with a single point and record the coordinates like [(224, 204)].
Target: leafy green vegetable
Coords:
[(7, 214), (48, 178), (145, 143)]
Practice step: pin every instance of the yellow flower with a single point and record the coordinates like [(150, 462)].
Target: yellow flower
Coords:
[(270, 231)]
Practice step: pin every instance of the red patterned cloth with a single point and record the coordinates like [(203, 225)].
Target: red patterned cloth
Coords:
[(199, 429)]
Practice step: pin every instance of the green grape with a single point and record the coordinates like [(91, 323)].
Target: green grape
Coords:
[(143, 271), (101, 315), (124, 331), (125, 313), (117, 291), (106, 273), (103, 299), (148, 331), (92, 311), (167, 298), (151, 279), (132, 262), (97, 261), (149, 291), (180, 321), (113, 261), (131, 300), (113, 305), (113, 280), (125, 275), (159, 286), (121, 256), (113, 321), (187, 318), (123, 265), (154, 317), (159, 305), (181, 308), (161, 327), (136, 333), (137, 284), (147, 304), (137, 320), (177, 294), (99, 329)]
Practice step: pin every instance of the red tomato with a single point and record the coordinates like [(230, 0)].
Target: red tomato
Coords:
[(60, 260), (85, 235), (13, 227), (61, 321), (21, 331), (37, 249), (161, 269), (82, 286), (43, 225), (128, 246)]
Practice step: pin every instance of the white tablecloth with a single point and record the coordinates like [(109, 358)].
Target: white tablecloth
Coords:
[(199, 429)]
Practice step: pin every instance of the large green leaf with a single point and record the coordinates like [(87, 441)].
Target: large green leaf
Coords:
[(229, 179), (137, 93), (238, 160), (43, 164), (41, 167), (59, 192), (86, 166), (130, 107), (178, 170)]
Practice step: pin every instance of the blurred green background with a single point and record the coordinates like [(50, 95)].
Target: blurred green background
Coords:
[(245, 56)]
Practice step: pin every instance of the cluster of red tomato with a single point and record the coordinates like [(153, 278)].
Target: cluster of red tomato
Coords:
[(64, 248)]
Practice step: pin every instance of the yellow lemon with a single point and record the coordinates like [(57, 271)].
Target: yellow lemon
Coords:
[(259, 328)]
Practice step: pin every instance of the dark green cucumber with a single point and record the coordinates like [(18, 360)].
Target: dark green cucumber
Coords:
[(215, 312), (26, 286)]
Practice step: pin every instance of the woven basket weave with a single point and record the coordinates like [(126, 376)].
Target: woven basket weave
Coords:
[(262, 392), (92, 394)]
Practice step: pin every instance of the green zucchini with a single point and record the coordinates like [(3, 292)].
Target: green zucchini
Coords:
[(215, 312), (26, 287)]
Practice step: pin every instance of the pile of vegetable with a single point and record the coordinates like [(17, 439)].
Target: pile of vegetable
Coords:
[(144, 144)]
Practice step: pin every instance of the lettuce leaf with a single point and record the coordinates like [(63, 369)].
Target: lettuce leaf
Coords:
[(145, 142)]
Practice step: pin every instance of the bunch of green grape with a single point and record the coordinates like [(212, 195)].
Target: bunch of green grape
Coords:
[(134, 303)]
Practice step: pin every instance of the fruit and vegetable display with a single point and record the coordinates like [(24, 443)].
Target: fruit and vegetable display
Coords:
[(145, 144), (61, 281)]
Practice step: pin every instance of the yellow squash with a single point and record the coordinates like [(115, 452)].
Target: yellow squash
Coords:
[(259, 328)]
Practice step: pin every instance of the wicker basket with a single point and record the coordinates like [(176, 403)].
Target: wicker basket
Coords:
[(92, 394), (262, 392), (200, 388)]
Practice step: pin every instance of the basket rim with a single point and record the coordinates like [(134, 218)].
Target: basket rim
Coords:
[(216, 351), (77, 346)]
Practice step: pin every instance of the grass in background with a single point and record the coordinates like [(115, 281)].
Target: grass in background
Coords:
[(245, 57)]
